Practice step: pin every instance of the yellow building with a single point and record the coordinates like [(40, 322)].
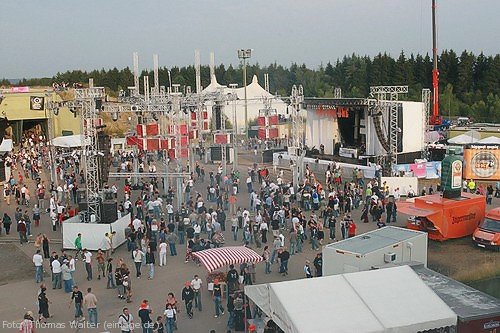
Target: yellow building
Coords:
[(22, 119)]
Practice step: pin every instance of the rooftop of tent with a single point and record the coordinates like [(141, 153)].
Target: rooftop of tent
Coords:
[(375, 240), (468, 303)]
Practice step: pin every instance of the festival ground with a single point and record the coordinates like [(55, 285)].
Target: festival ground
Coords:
[(18, 288)]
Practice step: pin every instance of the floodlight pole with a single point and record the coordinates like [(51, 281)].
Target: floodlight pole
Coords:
[(243, 55), (233, 86)]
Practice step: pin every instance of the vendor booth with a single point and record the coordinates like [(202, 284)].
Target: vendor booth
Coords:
[(387, 300), (93, 233), (216, 258)]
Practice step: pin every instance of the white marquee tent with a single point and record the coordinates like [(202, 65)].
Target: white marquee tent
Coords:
[(68, 141), (466, 138), (256, 96), (489, 140), (386, 300)]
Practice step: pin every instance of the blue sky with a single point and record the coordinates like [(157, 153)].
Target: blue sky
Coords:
[(41, 38)]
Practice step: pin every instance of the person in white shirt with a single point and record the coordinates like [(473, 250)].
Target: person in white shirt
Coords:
[(197, 230), (38, 262), (282, 239), (163, 253), (72, 267), (126, 321), (56, 273), (88, 263), (170, 212), (169, 318), (136, 223), (197, 285), (138, 255)]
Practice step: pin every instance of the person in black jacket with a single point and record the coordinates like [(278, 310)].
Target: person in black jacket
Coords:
[(232, 279), (150, 261), (187, 297)]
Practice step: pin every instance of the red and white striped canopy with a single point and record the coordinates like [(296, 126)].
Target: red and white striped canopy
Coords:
[(213, 259)]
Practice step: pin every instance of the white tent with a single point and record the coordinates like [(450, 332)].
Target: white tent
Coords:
[(6, 146), (256, 97), (69, 141), (466, 138), (386, 300), (491, 139)]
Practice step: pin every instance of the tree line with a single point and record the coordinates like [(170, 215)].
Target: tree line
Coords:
[(468, 83)]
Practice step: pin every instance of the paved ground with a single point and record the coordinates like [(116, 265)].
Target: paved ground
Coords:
[(19, 294)]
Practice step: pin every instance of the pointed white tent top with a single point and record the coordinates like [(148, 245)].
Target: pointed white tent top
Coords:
[(491, 140)]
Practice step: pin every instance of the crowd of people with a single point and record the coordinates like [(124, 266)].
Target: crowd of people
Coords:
[(278, 218)]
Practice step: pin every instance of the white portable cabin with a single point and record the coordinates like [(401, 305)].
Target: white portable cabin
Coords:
[(375, 249)]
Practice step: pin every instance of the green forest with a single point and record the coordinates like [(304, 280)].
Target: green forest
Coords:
[(468, 83)]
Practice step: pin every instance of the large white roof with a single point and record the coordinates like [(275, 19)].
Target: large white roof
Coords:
[(386, 300)]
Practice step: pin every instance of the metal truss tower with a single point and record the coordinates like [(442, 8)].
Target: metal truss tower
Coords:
[(91, 99), (296, 140), (426, 99), (391, 106)]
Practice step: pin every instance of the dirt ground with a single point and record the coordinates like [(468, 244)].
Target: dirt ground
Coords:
[(16, 265)]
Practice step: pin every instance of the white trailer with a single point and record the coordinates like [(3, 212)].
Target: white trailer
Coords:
[(375, 249)]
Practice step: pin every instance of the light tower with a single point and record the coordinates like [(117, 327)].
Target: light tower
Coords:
[(243, 55)]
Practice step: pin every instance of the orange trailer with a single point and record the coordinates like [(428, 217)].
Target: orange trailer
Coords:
[(445, 218)]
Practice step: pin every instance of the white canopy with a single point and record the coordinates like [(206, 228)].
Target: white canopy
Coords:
[(69, 141), (490, 139), (466, 138), (385, 300), (6, 145)]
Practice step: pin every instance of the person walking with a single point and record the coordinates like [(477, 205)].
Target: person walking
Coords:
[(66, 276), (90, 301), (197, 285), (163, 253), (56, 273), (77, 297), (138, 255), (284, 256), (188, 297), (21, 229), (78, 246), (145, 315), (88, 263), (43, 305), (119, 283), (172, 240), (267, 259), (126, 321), (7, 222), (38, 262), (217, 298), (27, 325), (170, 315), (45, 246), (110, 284), (307, 269), (150, 261), (101, 265)]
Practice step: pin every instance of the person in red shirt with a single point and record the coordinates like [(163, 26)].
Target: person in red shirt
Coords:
[(352, 229), (71, 212)]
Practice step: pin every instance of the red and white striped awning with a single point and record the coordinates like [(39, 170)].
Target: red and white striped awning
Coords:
[(213, 259)]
